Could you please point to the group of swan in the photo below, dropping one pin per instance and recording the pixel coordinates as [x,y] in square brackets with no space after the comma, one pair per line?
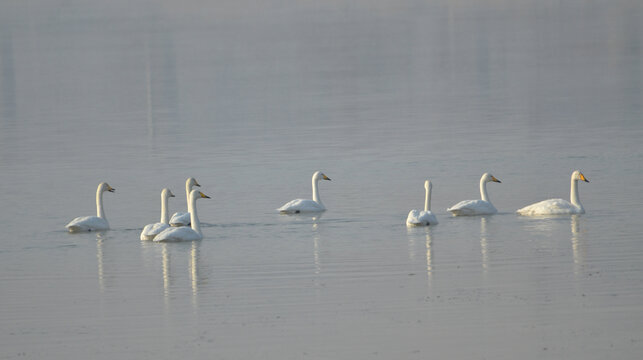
[485,207]
[161,231]
[176,229]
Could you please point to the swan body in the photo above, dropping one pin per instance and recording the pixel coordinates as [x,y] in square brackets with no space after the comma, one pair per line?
[183,218]
[558,206]
[425,217]
[151,230]
[306,205]
[92,223]
[476,207]
[174,234]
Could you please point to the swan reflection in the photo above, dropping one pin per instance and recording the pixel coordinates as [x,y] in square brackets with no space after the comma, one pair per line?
[413,234]
[484,250]
[579,250]
[99,261]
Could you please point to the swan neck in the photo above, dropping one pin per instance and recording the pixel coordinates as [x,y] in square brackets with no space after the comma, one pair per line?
[194,217]
[164,215]
[188,188]
[316,197]
[483,190]
[100,212]
[573,194]
[427,199]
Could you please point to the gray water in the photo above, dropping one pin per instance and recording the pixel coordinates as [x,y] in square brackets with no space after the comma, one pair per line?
[251,97]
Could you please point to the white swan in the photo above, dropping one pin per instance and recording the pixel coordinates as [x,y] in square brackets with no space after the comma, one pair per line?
[426,217]
[306,205]
[559,206]
[183,218]
[476,207]
[185,233]
[151,230]
[93,223]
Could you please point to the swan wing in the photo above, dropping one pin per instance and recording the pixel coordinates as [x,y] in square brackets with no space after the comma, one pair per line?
[151,230]
[421,218]
[550,207]
[472,207]
[174,234]
[87,223]
[180,219]
[301,206]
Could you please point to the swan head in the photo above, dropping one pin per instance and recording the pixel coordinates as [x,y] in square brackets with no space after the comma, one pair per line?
[167,193]
[191,182]
[318,175]
[196,194]
[428,185]
[486,177]
[105,187]
[577,175]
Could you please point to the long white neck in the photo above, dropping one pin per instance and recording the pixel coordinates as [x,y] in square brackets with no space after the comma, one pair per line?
[316,197]
[188,188]
[164,215]
[573,194]
[427,199]
[483,189]
[100,212]
[194,217]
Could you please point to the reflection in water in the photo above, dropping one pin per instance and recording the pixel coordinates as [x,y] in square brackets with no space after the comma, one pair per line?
[578,246]
[99,261]
[165,263]
[412,233]
[7,75]
[483,243]
[194,275]
[429,256]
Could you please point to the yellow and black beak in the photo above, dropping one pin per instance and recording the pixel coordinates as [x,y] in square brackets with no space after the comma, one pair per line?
[325,177]
[110,189]
[493,178]
[196,183]
[204,195]
[582,177]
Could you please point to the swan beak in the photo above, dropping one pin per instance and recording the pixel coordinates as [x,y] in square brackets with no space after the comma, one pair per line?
[172,195]
[493,178]
[582,177]
[110,189]
[325,177]
[196,184]
[204,195]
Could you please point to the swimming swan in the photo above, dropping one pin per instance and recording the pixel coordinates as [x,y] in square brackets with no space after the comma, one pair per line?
[305,205]
[559,206]
[183,218]
[476,207]
[93,223]
[185,233]
[151,230]
[426,217]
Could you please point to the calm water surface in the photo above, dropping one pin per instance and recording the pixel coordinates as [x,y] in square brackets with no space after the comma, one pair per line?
[250,98]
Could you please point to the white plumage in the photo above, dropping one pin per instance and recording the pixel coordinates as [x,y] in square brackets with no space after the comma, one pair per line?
[151,230]
[306,205]
[558,206]
[93,223]
[476,207]
[425,217]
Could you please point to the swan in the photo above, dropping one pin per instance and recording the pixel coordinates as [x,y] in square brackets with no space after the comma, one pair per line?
[183,218]
[151,230]
[426,217]
[477,207]
[306,205]
[93,223]
[185,233]
[559,206]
